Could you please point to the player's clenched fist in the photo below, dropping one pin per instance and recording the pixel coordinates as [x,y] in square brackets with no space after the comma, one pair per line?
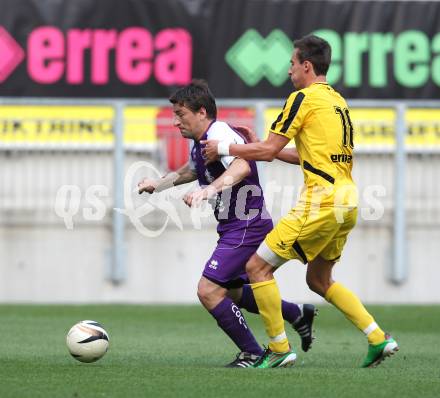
[147,185]
[196,198]
[210,151]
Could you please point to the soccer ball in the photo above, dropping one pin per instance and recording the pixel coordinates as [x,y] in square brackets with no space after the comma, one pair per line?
[87,341]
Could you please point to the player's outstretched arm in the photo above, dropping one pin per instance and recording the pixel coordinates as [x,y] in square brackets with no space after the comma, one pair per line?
[236,172]
[264,150]
[179,177]
[288,155]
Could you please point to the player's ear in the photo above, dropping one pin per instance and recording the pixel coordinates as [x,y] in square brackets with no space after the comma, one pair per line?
[202,113]
[308,67]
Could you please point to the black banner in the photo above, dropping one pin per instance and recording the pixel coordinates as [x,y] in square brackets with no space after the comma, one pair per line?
[146,48]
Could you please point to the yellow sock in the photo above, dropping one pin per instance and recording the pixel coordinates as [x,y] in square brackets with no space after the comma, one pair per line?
[268,299]
[350,305]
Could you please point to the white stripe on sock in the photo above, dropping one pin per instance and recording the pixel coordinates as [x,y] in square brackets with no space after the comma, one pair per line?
[370,328]
[278,338]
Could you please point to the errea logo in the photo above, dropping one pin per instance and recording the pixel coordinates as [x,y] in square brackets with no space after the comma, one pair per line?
[76,56]
[254,57]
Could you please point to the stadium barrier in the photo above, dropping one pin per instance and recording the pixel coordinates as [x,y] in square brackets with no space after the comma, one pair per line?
[81,150]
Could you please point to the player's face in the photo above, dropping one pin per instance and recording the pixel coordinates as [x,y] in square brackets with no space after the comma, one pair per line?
[297,71]
[188,122]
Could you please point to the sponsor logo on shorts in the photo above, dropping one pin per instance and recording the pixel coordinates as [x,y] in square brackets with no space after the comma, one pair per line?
[213,264]
[281,245]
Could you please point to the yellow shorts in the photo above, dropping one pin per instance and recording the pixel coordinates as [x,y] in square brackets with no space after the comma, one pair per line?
[306,233]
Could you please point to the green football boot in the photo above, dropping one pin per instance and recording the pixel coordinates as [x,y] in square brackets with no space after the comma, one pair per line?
[378,352]
[271,359]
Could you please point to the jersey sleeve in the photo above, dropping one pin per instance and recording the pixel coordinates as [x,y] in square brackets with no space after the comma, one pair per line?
[291,118]
[222,132]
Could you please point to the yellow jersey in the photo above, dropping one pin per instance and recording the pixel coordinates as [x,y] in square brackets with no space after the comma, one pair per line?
[318,119]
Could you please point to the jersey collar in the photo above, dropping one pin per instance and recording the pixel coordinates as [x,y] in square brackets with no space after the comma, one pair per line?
[204,135]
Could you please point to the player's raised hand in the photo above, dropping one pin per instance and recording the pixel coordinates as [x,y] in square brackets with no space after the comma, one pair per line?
[147,185]
[248,133]
[210,152]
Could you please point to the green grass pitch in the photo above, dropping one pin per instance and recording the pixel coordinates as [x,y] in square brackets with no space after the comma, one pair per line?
[178,351]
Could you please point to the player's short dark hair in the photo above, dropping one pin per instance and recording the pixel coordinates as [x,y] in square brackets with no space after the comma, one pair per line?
[194,96]
[315,50]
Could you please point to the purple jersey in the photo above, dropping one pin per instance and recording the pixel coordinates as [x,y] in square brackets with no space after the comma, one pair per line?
[240,210]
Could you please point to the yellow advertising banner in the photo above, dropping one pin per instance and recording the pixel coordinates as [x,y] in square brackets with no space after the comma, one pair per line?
[78,126]
[75,125]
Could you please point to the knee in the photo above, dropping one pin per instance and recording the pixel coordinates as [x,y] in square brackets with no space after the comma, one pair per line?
[317,284]
[258,270]
[209,293]
[252,267]
[203,293]
[254,270]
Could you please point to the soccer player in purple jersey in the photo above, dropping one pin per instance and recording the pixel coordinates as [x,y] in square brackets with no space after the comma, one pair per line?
[232,186]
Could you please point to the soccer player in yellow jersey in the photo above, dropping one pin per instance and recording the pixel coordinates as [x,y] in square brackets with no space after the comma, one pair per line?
[315,231]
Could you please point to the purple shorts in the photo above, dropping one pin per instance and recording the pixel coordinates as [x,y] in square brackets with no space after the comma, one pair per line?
[227,265]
